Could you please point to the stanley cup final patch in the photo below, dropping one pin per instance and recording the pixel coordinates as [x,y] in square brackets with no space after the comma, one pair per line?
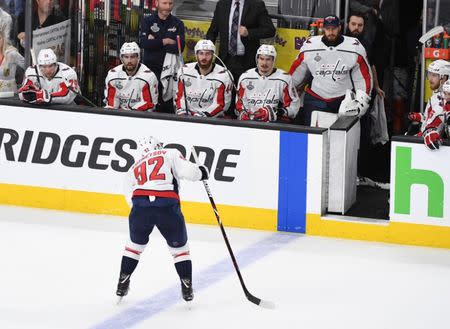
[154,28]
[250,86]
[317,58]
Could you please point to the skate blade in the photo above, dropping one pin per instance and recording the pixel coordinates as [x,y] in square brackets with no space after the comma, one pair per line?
[119,300]
[188,304]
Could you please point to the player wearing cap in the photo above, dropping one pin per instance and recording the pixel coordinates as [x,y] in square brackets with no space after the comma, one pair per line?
[433,119]
[204,87]
[49,81]
[339,68]
[131,85]
[266,93]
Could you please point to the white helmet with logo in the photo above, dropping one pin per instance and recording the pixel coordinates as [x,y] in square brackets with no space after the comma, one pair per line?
[267,50]
[148,144]
[46,57]
[440,67]
[130,48]
[204,45]
[446,87]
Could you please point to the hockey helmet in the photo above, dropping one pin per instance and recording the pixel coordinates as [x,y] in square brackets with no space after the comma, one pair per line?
[440,67]
[46,57]
[446,87]
[148,144]
[130,48]
[204,45]
[267,50]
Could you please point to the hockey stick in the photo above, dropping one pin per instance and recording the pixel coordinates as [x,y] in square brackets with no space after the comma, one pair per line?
[249,113]
[431,33]
[83,97]
[250,297]
[180,55]
[33,61]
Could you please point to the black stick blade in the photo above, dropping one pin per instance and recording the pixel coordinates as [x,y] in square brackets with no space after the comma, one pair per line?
[260,302]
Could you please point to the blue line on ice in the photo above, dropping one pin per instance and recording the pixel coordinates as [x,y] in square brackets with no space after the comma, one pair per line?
[151,306]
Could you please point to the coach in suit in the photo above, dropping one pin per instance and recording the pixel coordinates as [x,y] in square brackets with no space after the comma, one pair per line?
[240,25]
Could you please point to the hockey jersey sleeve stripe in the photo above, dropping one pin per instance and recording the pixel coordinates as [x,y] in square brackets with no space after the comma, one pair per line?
[162,194]
[297,63]
[147,97]
[111,95]
[239,103]
[220,101]
[365,73]
[286,97]
[179,94]
[62,92]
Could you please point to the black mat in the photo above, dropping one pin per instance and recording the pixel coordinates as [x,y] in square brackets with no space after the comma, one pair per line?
[371,202]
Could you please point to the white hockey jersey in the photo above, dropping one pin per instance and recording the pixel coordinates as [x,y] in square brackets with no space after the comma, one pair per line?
[207,95]
[435,114]
[333,69]
[276,90]
[138,92]
[158,173]
[8,67]
[58,86]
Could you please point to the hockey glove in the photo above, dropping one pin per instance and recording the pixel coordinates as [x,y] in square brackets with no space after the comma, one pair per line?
[265,114]
[36,96]
[415,117]
[432,139]
[205,172]
[181,112]
[244,115]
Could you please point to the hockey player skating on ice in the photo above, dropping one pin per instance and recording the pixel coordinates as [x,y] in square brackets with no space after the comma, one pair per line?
[206,84]
[49,81]
[433,119]
[131,85]
[151,188]
[266,93]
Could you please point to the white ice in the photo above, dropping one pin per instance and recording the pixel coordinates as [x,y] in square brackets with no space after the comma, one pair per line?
[59,270]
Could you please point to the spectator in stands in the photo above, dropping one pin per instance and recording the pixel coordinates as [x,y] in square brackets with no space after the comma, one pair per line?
[158,38]
[131,85]
[207,85]
[266,93]
[434,117]
[337,65]
[240,25]
[43,15]
[49,81]
[10,59]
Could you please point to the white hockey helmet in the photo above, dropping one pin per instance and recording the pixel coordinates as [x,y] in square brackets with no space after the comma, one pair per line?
[204,45]
[440,66]
[446,87]
[267,50]
[148,144]
[46,57]
[130,48]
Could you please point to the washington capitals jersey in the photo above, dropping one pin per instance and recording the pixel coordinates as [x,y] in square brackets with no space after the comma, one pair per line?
[158,173]
[138,92]
[58,86]
[334,69]
[276,90]
[208,95]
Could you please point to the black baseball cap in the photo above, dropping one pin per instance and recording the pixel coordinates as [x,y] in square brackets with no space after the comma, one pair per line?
[331,21]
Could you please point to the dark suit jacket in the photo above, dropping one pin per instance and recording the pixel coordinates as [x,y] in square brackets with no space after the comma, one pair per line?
[254,17]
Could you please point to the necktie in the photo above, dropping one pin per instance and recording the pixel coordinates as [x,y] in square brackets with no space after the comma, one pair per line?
[234,30]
